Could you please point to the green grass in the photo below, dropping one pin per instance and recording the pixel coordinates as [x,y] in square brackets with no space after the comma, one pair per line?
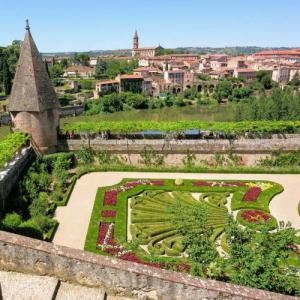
[206,113]
[4,131]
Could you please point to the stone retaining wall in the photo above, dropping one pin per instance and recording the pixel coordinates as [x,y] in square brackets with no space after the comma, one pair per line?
[202,146]
[10,175]
[249,150]
[119,277]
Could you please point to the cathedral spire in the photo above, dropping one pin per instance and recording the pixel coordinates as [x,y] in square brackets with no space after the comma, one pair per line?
[135,40]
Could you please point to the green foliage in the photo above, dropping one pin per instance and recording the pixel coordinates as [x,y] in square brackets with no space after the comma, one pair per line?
[11,221]
[281,159]
[81,59]
[87,84]
[258,264]
[223,90]
[56,71]
[253,127]
[85,155]
[101,69]
[10,145]
[265,78]
[39,205]
[7,78]
[278,105]
[189,160]
[31,229]
[149,158]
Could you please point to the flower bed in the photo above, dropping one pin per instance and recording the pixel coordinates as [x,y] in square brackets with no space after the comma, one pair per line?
[256,219]
[255,216]
[111,206]
[252,194]
[108,213]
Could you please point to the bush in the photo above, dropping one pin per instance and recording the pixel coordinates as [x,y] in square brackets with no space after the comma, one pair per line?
[12,221]
[51,159]
[39,205]
[31,229]
[85,155]
[178,181]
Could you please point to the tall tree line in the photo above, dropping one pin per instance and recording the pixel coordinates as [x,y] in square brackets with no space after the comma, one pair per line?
[279,105]
[8,60]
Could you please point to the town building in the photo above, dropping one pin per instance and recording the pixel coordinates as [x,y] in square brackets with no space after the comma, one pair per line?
[33,104]
[143,52]
[107,87]
[247,74]
[79,71]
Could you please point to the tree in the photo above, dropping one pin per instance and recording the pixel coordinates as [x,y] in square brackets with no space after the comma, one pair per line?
[56,71]
[101,69]
[264,77]
[7,78]
[223,90]
[256,259]
[81,59]
[192,224]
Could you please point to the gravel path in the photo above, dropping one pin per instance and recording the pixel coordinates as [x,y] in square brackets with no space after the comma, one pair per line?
[74,218]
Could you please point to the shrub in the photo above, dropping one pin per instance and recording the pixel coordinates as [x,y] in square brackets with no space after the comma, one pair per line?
[178,181]
[31,229]
[39,205]
[85,155]
[12,221]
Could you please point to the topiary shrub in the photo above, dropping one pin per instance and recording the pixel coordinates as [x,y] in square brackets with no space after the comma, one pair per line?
[11,221]
[178,181]
[31,229]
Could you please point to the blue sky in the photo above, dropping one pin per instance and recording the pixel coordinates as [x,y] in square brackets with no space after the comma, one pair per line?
[73,25]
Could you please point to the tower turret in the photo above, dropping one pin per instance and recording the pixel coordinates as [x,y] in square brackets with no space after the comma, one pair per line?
[135,40]
[33,104]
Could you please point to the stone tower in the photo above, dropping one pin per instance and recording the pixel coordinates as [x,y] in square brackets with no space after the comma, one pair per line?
[33,104]
[135,40]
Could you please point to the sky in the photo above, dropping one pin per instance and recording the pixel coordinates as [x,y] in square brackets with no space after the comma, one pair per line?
[83,25]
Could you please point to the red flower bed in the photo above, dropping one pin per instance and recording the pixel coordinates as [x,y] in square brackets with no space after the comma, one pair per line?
[254,216]
[132,184]
[110,197]
[108,213]
[252,194]
[202,183]
[157,182]
[102,233]
[234,183]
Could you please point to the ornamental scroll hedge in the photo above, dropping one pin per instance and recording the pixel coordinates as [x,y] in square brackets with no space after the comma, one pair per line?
[253,127]
[10,145]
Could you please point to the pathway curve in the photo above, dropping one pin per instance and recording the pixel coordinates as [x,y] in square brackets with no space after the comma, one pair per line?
[74,218]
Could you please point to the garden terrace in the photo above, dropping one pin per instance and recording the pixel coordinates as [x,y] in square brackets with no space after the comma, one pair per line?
[221,129]
[10,145]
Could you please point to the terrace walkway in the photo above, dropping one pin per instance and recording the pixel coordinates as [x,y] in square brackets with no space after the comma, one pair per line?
[74,218]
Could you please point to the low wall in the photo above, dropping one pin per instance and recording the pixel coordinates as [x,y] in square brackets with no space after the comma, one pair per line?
[249,150]
[202,146]
[10,175]
[119,277]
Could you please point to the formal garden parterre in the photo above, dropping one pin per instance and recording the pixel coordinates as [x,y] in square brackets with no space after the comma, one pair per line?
[149,207]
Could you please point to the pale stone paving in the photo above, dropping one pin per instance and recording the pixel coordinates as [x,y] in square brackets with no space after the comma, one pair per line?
[75,217]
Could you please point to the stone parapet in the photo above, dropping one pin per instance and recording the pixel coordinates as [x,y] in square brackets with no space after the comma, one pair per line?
[119,277]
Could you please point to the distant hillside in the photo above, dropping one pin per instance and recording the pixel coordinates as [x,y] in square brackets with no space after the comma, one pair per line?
[201,50]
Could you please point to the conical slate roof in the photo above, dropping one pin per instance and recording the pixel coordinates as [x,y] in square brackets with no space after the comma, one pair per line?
[32,89]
